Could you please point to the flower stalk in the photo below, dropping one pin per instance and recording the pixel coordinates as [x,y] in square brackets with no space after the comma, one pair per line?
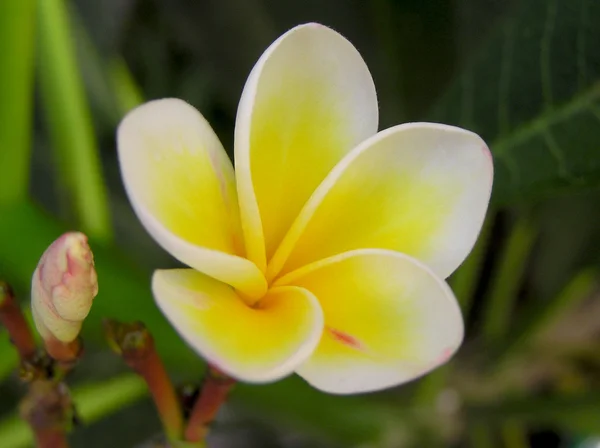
[64,354]
[215,390]
[134,343]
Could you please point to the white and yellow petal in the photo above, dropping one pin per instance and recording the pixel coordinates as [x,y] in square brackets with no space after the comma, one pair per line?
[308,101]
[182,187]
[388,319]
[254,344]
[421,189]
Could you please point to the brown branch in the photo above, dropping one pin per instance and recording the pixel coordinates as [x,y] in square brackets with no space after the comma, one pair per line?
[51,438]
[135,345]
[48,409]
[34,363]
[65,355]
[214,392]
[13,320]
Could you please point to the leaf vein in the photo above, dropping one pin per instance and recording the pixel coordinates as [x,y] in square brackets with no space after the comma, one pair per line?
[556,152]
[548,119]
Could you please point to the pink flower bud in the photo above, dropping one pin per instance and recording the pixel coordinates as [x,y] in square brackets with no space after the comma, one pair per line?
[63,287]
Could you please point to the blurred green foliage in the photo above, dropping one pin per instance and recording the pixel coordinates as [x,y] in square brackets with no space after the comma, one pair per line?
[525,74]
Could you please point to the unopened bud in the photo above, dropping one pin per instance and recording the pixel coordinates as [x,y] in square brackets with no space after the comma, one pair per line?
[63,287]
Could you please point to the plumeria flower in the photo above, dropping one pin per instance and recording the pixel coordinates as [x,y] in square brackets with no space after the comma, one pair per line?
[325,253]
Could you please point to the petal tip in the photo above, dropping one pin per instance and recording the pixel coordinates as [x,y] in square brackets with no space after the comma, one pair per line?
[149,107]
[312,26]
[490,160]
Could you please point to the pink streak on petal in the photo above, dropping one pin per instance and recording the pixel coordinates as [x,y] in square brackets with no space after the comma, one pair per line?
[345,338]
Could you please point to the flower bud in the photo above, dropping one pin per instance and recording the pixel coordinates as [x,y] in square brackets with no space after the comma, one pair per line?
[63,287]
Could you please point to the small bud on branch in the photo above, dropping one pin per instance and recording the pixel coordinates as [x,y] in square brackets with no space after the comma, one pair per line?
[63,287]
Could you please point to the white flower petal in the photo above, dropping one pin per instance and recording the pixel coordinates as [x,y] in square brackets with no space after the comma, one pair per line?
[181,185]
[388,320]
[421,189]
[308,101]
[255,344]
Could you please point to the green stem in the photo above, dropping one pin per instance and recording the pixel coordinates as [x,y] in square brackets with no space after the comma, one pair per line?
[507,279]
[69,120]
[93,402]
[17,36]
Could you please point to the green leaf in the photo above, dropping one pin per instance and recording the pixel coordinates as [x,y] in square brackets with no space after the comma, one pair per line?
[17,32]
[69,120]
[533,93]
[110,86]
[127,92]
[507,279]
[125,294]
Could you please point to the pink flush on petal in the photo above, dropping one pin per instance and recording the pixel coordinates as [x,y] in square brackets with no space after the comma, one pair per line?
[445,355]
